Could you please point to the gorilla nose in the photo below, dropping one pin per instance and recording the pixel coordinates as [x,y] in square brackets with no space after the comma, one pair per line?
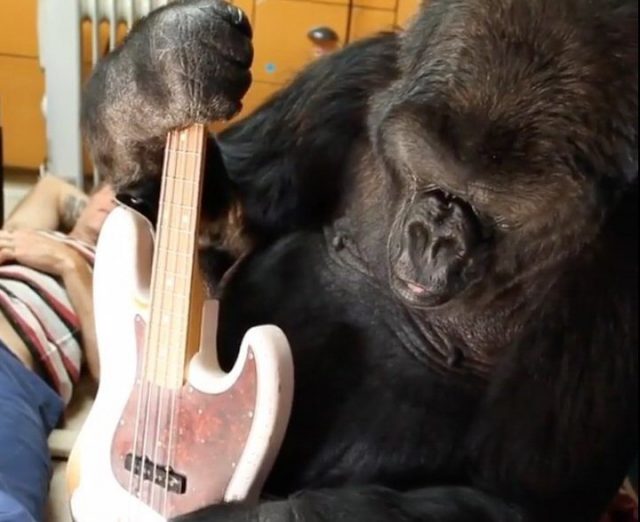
[438,229]
[426,243]
[438,203]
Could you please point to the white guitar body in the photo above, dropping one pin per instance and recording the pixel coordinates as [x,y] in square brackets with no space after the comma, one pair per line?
[122,276]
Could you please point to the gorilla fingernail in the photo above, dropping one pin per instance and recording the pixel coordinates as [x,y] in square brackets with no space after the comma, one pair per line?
[237,15]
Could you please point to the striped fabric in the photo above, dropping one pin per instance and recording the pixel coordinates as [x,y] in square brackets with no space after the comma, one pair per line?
[39,309]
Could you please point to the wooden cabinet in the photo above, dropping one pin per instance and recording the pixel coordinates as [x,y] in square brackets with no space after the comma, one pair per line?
[281,45]
[406,9]
[18,29]
[245,5]
[281,42]
[389,5]
[365,22]
[21,88]
[21,84]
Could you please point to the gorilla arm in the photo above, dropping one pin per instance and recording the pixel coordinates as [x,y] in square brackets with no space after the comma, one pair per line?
[161,79]
[288,160]
[284,163]
[370,504]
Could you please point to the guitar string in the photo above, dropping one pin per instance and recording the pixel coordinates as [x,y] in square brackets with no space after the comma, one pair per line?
[143,384]
[181,333]
[163,343]
[153,338]
[191,208]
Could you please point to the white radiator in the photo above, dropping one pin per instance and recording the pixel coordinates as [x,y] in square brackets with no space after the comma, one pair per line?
[61,55]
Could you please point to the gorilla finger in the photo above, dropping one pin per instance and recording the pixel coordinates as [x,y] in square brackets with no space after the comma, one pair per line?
[222,94]
[235,86]
[231,14]
[229,42]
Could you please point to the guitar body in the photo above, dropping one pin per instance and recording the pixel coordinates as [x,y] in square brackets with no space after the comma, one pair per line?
[148,453]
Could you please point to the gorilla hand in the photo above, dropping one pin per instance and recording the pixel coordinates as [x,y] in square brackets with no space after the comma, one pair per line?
[193,60]
[185,63]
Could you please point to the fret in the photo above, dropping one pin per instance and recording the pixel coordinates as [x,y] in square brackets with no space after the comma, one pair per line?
[187,152]
[181,179]
[176,276]
[195,152]
[175,252]
[179,232]
[185,206]
[177,213]
[186,202]
[175,264]
[174,308]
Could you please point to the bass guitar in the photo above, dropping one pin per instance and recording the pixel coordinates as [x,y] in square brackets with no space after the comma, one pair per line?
[170,431]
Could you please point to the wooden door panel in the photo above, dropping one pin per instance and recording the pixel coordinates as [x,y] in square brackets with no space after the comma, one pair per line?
[282,47]
[18,35]
[366,22]
[406,9]
[21,90]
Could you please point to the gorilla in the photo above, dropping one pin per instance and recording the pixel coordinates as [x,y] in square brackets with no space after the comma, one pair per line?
[443,221]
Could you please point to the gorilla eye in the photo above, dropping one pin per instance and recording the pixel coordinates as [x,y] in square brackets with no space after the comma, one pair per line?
[499,145]
[490,157]
[501,224]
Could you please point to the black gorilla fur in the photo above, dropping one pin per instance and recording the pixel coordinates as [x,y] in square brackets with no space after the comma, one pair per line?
[444,223]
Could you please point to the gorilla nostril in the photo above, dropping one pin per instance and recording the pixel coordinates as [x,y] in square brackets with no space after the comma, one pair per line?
[436,246]
[440,245]
[418,236]
[443,201]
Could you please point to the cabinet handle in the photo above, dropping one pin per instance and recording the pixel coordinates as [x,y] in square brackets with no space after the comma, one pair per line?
[323,36]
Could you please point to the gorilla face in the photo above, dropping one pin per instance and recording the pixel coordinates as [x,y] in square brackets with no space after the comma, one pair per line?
[442,247]
[503,142]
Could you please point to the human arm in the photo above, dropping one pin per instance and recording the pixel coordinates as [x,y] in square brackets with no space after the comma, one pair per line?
[35,250]
[77,278]
[52,204]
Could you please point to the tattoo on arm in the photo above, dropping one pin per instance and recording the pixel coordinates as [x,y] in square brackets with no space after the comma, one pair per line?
[71,209]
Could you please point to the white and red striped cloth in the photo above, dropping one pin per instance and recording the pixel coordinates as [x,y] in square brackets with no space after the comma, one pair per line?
[39,309]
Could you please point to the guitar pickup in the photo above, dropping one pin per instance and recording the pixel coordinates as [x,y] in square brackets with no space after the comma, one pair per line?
[162,476]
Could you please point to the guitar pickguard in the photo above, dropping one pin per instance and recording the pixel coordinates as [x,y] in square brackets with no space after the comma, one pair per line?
[195,435]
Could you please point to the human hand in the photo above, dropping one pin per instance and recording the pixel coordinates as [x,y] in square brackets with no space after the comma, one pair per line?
[33,249]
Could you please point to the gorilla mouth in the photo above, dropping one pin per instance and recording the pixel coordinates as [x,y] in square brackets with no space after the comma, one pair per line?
[442,249]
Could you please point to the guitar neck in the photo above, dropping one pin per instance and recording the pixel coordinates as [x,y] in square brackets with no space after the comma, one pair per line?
[175,277]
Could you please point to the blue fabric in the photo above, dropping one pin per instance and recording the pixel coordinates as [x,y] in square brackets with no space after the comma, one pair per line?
[29,410]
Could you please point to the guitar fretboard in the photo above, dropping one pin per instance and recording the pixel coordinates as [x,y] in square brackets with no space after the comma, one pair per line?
[174,257]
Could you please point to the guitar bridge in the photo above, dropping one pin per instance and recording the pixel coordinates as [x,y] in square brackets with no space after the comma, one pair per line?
[162,476]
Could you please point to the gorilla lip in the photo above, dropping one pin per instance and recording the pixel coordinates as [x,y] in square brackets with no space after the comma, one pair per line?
[415,294]
[415,287]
